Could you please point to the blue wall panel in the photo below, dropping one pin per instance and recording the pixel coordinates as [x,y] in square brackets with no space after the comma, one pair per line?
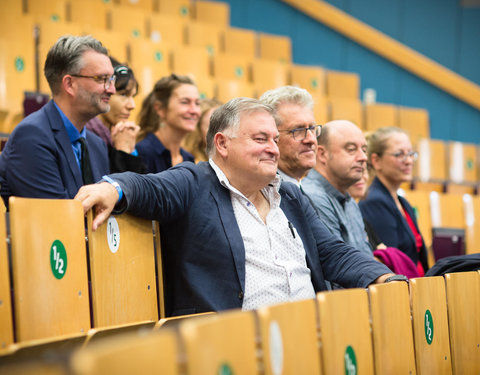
[439,29]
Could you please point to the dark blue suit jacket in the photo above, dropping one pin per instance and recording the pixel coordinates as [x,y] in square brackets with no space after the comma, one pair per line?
[202,247]
[155,156]
[38,160]
[381,212]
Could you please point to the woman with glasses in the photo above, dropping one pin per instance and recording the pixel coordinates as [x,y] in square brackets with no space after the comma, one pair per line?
[168,114]
[114,126]
[391,157]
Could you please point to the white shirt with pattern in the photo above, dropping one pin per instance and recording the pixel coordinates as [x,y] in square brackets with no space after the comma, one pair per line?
[275,266]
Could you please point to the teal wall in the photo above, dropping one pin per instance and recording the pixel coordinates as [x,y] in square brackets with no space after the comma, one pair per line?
[440,29]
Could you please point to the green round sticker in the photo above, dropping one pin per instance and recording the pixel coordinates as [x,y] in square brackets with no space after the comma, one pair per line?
[19,64]
[184,10]
[158,56]
[54,17]
[136,33]
[58,259]
[210,50]
[314,83]
[238,71]
[350,361]
[225,369]
[428,327]
[469,164]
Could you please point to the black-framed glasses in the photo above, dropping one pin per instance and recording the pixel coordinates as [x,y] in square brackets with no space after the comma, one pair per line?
[107,80]
[299,134]
[402,156]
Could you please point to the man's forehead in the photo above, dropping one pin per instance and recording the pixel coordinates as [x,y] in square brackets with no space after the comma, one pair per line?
[346,134]
[292,112]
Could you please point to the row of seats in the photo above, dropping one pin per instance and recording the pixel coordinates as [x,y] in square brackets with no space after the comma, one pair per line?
[60,288]
[428,327]
[444,210]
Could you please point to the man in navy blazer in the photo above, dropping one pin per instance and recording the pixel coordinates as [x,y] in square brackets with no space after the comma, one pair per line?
[233,235]
[42,158]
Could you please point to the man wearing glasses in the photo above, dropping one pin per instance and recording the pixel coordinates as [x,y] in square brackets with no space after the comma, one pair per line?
[298,131]
[50,154]
[341,161]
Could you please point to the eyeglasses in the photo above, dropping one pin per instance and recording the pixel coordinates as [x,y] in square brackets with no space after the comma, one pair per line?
[402,156]
[107,80]
[299,134]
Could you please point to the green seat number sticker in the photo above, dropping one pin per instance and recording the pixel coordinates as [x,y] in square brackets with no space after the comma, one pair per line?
[225,369]
[350,361]
[428,327]
[58,259]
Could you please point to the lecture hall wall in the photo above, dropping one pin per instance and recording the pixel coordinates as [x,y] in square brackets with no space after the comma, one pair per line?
[442,30]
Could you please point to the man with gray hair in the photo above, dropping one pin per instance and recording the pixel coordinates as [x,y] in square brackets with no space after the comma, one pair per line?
[298,131]
[341,160]
[50,154]
[234,236]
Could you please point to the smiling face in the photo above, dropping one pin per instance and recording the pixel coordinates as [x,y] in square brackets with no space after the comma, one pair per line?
[392,170]
[251,155]
[343,158]
[297,157]
[183,109]
[122,103]
[91,97]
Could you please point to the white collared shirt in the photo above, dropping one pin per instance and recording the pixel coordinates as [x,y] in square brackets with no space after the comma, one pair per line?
[275,266]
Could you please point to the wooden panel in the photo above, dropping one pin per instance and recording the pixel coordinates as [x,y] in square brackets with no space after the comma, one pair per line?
[471,208]
[49,268]
[130,354]
[210,347]
[462,162]
[415,121]
[447,210]
[150,61]
[239,41]
[148,5]
[214,12]
[6,324]
[92,14]
[430,325]
[228,89]
[380,115]
[179,8]
[275,47]
[431,163]
[392,328]
[320,109]
[164,28]
[131,21]
[343,84]
[204,35]
[290,330]
[192,61]
[311,78]
[122,269]
[346,109]
[345,330]
[463,307]
[114,41]
[268,75]
[56,10]
[160,281]
[231,67]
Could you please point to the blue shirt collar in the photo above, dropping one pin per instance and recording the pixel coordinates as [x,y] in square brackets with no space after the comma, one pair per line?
[72,131]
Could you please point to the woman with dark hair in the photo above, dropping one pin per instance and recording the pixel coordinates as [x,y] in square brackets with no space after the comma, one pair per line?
[391,157]
[168,114]
[114,126]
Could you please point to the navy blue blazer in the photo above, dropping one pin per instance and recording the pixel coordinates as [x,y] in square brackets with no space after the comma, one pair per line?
[38,160]
[155,156]
[202,247]
[381,212]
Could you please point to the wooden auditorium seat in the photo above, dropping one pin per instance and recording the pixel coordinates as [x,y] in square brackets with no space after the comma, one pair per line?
[447,210]
[471,206]
[268,74]
[114,41]
[379,115]
[179,8]
[346,109]
[6,323]
[166,28]
[154,353]
[320,109]
[239,42]
[274,47]
[289,338]
[343,84]
[128,20]
[392,328]
[463,305]
[229,89]
[221,343]
[415,121]
[462,162]
[49,268]
[56,10]
[430,325]
[92,14]
[346,341]
[213,12]
[122,269]
[432,160]
[193,61]
[204,35]
[311,78]
[231,67]
[147,5]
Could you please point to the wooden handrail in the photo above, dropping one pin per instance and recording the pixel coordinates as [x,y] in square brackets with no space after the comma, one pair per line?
[392,50]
